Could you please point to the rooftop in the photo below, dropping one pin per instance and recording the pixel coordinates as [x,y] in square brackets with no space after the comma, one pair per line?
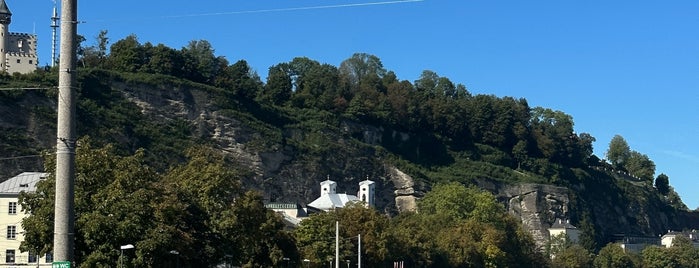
[25,182]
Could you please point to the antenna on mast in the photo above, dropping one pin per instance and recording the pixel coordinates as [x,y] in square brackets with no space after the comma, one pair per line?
[54,26]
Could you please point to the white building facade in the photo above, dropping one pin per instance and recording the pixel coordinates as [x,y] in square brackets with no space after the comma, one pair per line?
[11,216]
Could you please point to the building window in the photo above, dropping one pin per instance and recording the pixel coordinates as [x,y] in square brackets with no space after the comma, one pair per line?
[10,256]
[11,232]
[12,208]
[32,257]
[18,60]
[31,62]
[49,257]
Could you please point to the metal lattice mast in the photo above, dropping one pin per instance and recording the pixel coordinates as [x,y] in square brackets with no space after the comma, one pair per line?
[54,28]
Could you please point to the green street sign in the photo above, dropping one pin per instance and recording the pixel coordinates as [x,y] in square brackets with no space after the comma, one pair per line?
[60,264]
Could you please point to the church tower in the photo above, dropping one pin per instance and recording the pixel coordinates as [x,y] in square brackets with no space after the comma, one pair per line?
[366,192]
[328,187]
[5,19]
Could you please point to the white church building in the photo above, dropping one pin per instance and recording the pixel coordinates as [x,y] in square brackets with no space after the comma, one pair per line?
[329,198]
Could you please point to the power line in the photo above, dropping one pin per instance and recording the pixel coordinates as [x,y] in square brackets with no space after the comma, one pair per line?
[26,88]
[269,10]
[19,157]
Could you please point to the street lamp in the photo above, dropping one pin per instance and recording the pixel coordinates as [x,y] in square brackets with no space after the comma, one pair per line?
[286,259]
[121,256]
[348,263]
[307,261]
[177,257]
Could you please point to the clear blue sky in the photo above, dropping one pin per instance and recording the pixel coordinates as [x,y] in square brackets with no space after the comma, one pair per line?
[618,67]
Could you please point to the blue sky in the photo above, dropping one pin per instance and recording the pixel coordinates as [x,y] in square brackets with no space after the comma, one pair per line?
[618,67]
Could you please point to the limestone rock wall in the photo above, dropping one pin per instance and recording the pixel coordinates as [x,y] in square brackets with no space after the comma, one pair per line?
[537,205]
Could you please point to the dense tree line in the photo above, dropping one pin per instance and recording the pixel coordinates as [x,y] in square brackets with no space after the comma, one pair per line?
[362,89]
[198,209]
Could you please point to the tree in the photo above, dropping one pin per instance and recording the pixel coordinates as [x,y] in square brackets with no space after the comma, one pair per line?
[640,165]
[573,256]
[162,60]
[359,66]
[111,207]
[662,184]
[457,202]
[239,80]
[618,152]
[126,55]
[486,236]
[256,233]
[613,256]
[201,65]
[279,86]
[195,208]
[94,56]
[659,257]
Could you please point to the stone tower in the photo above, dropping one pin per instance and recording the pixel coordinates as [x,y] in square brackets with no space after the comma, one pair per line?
[5,19]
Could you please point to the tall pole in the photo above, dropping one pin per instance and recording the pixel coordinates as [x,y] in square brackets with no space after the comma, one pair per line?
[63,231]
[337,244]
[359,251]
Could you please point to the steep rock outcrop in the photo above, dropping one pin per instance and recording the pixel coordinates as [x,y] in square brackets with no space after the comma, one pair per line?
[537,205]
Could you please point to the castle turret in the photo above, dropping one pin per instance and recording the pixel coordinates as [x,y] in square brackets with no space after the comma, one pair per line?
[5,19]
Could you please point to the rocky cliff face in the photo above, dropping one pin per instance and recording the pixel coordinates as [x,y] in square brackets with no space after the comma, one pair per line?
[285,173]
[537,205]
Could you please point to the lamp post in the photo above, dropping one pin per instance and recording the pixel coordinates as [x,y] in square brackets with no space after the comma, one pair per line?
[177,257]
[308,262]
[121,256]
[286,259]
[348,263]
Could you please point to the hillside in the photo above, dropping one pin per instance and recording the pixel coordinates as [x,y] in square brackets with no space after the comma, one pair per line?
[407,139]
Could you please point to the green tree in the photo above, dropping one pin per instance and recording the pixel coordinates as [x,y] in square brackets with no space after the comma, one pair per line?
[279,86]
[94,56]
[613,256]
[315,237]
[662,184]
[126,55]
[684,251]
[359,66]
[640,165]
[256,233]
[457,202]
[162,60]
[239,80]
[573,256]
[659,257]
[618,152]
[110,205]
[201,65]
[195,208]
